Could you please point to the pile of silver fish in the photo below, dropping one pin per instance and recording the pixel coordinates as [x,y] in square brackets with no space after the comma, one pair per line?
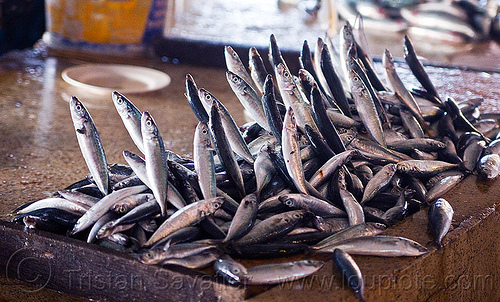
[457,21]
[332,157]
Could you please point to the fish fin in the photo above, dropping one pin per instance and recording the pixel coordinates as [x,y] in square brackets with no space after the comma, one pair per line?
[167,245]
[81,130]
[435,243]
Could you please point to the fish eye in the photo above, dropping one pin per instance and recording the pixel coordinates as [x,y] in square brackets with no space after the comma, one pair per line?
[204,131]
[296,215]
[216,205]
[78,107]
[286,220]
[208,96]
[289,202]
[119,101]
[149,123]
[236,270]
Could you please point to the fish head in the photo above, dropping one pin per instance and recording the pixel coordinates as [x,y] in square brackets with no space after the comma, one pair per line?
[121,207]
[189,78]
[149,225]
[489,166]
[347,137]
[132,157]
[122,104]
[387,60]
[234,79]
[284,74]
[206,96]
[346,34]
[287,200]
[439,144]
[30,221]
[407,45]
[232,271]
[305,76]
[106,230]
[202,128]
[250,200]
[216,203]
[352,53]
[420,249]
[377,227]
[403,167]
[253,52]
[148,125]
[356,81]
[269,84]
[150,256]
[298,215]
[78,110]
[230,53]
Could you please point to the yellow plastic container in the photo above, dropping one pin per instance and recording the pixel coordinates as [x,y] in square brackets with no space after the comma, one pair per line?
[105,26]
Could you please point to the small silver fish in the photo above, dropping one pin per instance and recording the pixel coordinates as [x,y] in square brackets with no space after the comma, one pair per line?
[54,202]
[384,246]
[204,165]
[282,272]
[90,144]
[359,230]
[379,182]
[248,98]
[489,166]
[315,205]
[291,151]
[440,217]
[421,168]
[156,163]
[232,131]
[131,117]
[264,169]
[350,272]
[103,206]
[244,218]
[189,215]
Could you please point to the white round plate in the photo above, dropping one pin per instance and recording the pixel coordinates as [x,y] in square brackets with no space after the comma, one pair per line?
[106,78]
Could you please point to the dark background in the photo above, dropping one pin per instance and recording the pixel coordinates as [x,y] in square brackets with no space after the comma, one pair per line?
[22,23]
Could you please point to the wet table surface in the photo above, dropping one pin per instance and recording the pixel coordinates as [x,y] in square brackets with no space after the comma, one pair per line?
[39,153]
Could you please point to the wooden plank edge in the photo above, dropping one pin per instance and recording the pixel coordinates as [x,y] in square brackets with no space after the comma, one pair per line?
[64,264]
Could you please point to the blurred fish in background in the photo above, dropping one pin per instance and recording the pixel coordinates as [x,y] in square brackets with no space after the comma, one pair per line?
[454,22]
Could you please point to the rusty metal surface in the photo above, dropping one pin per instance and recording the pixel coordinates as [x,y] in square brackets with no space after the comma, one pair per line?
[39,154]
